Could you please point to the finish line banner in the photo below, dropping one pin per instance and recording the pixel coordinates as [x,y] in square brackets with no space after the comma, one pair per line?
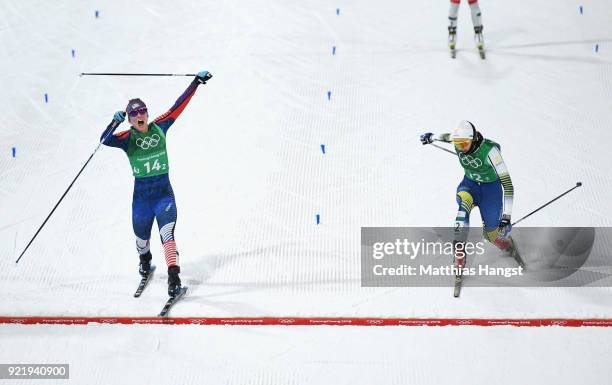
[423,257]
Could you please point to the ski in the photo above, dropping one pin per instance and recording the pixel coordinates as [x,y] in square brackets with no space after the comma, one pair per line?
[480,43]
[144,282]
[517,257]
[481,51]
[514,253]
[458,283]
[452,37]
[171,301]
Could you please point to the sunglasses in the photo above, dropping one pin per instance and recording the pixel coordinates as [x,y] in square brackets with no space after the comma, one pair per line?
[135,113]
[462,144]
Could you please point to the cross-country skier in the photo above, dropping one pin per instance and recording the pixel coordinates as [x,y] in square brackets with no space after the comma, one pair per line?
[476,20]
[145,145]
[486,184]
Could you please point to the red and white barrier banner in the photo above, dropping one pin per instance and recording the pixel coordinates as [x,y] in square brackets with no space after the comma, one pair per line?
[315,321]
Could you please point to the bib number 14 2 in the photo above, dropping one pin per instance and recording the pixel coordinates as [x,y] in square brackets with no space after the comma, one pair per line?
[155,166]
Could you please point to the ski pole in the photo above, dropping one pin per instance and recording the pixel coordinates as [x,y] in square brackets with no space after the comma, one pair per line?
[443,149]
[128,74]
[115,124]
[578,184]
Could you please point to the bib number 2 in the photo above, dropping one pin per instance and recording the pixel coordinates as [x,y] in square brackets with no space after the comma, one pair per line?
[476,177]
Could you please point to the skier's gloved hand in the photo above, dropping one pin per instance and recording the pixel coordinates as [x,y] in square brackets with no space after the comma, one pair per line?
[427,138]
[119,116]
[203,76]
[505,225]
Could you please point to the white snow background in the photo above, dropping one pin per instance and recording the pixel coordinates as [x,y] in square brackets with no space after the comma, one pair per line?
[249,177]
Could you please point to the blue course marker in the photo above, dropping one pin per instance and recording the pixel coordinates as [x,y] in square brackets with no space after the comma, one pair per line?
[328,95]
[323,148]
[73,52]
[334,50]
[14,152]
[581,9]
[97,13]
[318,219]
[596,47]
[46,98]
[337,11]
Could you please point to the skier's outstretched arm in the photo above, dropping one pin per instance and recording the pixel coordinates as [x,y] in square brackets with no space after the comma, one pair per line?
[429,138]
[499,165]
[121,139]
[169,117]
[445,137]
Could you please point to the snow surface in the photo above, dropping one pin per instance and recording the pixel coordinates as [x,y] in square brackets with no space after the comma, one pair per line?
[249,177]
[152,354]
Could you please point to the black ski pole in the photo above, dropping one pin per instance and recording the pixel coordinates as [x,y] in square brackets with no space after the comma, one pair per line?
[128,74]
[443,149]
[578,184]
[115,125]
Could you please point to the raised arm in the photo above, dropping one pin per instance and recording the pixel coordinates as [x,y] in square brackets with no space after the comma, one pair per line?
[429,138]
[445,137]
[169,117]
[121,139]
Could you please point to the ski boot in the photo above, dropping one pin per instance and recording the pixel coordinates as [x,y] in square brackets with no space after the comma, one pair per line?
[452,39]
[174,282]
[479,41]
[508,245]
[145,264]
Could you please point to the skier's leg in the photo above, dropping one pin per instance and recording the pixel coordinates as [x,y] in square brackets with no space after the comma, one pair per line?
[453,11]
[467,197]
[477,21]
[142,221]
[491,209]
[452,23]
[462,226]
[476,14]
[465,200]
[165,213]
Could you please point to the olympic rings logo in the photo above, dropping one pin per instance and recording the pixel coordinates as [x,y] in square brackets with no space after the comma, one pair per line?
[148,142]
[469,160]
